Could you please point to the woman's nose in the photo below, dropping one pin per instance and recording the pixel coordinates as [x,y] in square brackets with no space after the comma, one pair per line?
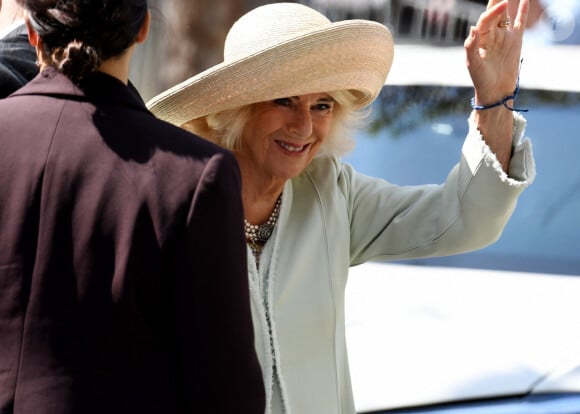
[300,124]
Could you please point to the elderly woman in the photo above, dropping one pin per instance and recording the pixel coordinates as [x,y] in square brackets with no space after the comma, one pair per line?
[283,101]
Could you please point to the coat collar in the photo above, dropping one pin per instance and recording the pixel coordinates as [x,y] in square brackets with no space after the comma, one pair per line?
[98,88]
[17,28]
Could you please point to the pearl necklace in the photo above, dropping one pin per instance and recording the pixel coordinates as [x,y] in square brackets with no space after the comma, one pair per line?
[258,235]
[262,232]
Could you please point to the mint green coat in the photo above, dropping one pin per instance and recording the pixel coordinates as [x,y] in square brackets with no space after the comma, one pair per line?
[332,218]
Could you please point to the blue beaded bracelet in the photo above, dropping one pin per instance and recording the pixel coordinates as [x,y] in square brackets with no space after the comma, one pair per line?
[503,101]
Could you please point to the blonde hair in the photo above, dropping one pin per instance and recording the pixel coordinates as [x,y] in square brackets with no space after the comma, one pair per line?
[225,128]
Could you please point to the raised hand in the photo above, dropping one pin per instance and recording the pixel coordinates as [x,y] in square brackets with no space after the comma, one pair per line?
[493,49]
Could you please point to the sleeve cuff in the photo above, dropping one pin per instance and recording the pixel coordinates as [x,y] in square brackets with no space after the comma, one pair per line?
[522,170]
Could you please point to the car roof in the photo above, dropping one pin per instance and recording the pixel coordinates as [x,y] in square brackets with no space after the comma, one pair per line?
[546,67]
[421,335]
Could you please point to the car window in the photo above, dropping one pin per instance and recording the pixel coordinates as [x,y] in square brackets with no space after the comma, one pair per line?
[415,137]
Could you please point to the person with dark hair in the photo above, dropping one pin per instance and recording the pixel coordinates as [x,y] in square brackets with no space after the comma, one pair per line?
[17,56]
[123,285]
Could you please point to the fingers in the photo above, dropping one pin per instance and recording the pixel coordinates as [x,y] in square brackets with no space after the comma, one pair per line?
[513,8]
[471,46]
[498,13]
[494,15]
[522,15]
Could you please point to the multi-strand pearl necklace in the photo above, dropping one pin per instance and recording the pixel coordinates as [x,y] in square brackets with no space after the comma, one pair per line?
[258,235]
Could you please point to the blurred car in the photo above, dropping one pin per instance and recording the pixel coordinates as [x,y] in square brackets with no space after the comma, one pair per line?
[493,331]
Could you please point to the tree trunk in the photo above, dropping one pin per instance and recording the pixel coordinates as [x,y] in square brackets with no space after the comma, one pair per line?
[186,37]
[194,39]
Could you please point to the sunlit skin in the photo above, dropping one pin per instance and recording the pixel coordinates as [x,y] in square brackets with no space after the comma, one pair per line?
[279,141]
[494,68]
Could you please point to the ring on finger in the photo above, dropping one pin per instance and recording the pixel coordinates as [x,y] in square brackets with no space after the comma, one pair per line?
[504,23]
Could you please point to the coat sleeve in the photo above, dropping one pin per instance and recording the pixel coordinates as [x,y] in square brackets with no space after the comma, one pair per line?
[217,356]
[467,212]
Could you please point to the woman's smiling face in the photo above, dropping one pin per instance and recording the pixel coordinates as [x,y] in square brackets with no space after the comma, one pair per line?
[282,136]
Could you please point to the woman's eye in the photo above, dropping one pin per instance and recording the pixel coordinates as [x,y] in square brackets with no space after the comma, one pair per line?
[283,101]
[323,107]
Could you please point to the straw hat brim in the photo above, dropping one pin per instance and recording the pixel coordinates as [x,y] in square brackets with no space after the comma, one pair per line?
[353,55]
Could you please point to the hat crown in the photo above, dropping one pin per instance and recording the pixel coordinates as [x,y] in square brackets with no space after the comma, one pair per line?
[268,26]
[284,49]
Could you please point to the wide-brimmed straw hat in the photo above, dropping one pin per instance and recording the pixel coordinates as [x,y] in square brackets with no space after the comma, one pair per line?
[282,50]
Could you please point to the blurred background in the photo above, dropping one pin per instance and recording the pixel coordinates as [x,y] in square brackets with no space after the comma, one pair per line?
[187,35]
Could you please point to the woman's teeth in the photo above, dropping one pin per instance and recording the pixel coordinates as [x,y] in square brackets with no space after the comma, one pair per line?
[291,148]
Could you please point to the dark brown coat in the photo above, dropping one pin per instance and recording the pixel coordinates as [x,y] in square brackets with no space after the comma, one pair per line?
[123,284]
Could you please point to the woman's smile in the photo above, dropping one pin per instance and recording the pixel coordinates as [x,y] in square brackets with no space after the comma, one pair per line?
[282,136]
[292,148]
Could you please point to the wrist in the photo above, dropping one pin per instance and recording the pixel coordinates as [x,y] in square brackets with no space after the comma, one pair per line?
[481,103]
[496,127]
[507,102]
